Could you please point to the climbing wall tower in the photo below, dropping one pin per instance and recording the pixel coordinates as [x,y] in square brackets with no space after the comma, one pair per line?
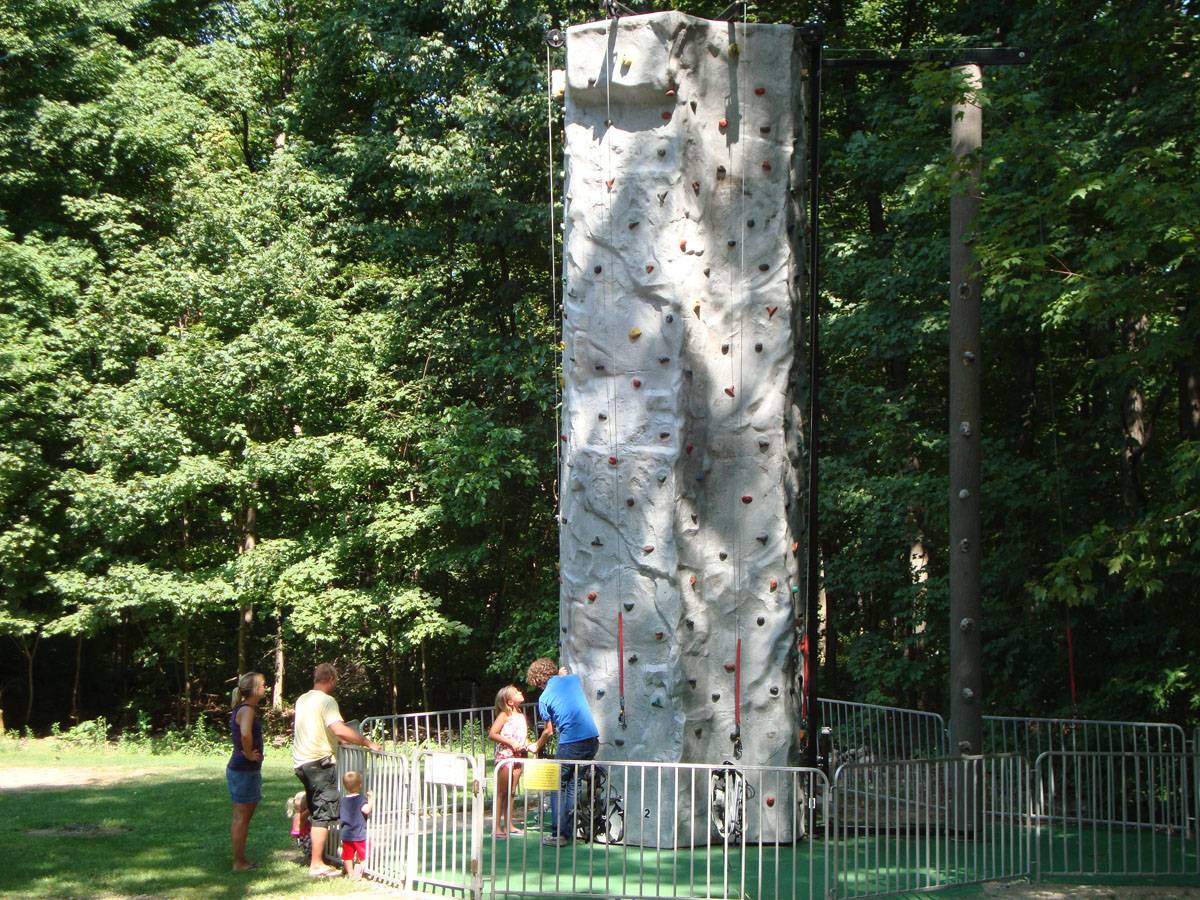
[681,513]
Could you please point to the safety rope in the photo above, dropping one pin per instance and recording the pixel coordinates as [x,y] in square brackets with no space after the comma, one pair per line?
[555,311]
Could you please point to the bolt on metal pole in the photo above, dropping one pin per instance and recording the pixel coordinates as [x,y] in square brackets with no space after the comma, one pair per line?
[966,605]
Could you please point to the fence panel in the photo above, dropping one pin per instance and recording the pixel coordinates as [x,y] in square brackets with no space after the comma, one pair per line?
[453,730]
[442,848]
[388,777]
[1113,814]
[865,732]
[1032,737]
[650,830]
[912,825]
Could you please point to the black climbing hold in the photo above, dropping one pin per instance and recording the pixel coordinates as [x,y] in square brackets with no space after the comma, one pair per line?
[656,703]
[599,367]
[662,197]
[648,549]
[721,172]
[762,539]
[662,151]
[603,417]
[706,271]
[695,518]
[620,742]
[724,349]
[633,225]
[698,732]
[691,682]
[628,607]
[690,624]
[598,269]
[774,692]
[596,542]
[663,435]
[764,129]
[687,373]
[693,105]
[724,556]
[762,267]
[629,502]
[731,242]
[716,697]
[664,359]
[758,348]
[700,477]
[600,692]
[662,476]
[670,318]
[761,620]
[763,444]
[633,658]
[749,223]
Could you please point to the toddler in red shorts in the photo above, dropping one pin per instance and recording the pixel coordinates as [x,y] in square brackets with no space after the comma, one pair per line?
[353,813]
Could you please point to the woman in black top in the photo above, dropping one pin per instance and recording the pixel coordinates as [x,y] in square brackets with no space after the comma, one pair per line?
[243,774]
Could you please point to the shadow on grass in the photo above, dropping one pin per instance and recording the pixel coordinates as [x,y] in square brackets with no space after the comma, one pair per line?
[176,845]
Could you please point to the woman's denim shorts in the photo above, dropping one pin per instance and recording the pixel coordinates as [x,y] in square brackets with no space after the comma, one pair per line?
[244,787]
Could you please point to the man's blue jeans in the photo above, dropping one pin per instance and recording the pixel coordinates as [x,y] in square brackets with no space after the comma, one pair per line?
[563,803]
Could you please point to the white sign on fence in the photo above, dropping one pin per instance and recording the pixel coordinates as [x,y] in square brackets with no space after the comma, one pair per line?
[446,768]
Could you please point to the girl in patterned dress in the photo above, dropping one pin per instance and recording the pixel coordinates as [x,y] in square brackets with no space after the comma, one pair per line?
[510,732]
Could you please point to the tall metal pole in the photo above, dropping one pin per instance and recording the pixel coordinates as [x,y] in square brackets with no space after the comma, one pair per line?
[966,605]
[813,34]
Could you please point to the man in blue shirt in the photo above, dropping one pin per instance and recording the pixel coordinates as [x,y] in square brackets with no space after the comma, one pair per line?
[564,708]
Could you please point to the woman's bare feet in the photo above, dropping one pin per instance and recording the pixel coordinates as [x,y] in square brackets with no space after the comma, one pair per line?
[243,865]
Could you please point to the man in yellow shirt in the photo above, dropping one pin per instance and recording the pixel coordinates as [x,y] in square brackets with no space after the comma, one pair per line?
[318,728]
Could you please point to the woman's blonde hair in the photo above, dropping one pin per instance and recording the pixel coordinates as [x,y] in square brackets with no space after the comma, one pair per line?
[502,697]
[245,687]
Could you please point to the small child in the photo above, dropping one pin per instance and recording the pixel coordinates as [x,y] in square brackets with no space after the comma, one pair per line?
[510,731]
[354,810]
[297,811]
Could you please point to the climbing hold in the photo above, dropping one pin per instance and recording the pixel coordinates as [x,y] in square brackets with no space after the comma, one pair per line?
[637,382]
[731,243]
[599,367]
[716,697]
[599,692]
[696,187]
[666,116]
[596,542]
[771,310]
[693,105]
[592,596]
[662,151]
[648,549]
[670,92]
[761,620]
[795,547]
[658,635]
[695,519]
[597,269]
[664,359]
[795,588]
[633,658]
[649,268]
[766,166]
[662,197]
[698,731]
[734,49]
[609,183]
[764,129]
[770,801]
[608,123]
[729,390]
[720,173]
[670,318]
[724,349]
[633,225]
[683,245]
[723,124]
[759,91]
[629,501]
[662,476]
[700,477]
[763,443]
[758,348]
[635,333]
[628,607]
[749,223]
[620,742]
[603,417]
[562,437]
[706,271]
[723,555]
[612,460]
[774,586]
[689,448]
[696,309]
[692,582]
[691,682]
[691,625]
[626,62]
[663,435]
[746,498]
[762,539]
[656,703]
[762,267]
[774,691]
[729,667]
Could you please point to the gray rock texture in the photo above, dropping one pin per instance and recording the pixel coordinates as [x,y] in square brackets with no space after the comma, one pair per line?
[681,507]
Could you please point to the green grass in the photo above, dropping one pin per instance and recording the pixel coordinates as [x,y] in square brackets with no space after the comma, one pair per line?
[177,813]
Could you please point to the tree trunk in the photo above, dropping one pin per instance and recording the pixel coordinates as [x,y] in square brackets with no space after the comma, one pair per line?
[187,680]
[30,651]
[829,617]
[1189,400]
[424,679]
[75,683]
[1134,424]
[246,613]
[277,692]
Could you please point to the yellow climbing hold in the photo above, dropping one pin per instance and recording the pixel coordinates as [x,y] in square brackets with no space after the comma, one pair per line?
[635,333]
[626,62]
[734,49]
[696,309]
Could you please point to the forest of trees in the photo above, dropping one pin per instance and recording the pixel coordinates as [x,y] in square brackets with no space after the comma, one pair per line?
[277,352]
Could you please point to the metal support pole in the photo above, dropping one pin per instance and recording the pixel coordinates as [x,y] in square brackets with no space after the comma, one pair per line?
[966,606]
[813,35]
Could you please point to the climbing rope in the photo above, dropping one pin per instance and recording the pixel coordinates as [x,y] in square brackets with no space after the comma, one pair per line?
[555,311]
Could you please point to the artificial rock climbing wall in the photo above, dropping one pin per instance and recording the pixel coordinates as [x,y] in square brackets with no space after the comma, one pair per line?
[680,509]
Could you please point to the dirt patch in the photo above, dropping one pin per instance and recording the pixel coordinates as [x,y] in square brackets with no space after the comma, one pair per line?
[34,778]
[78,831]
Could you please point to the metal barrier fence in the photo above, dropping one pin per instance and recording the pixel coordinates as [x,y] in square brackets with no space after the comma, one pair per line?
[1031,737]
[866,732]
[457,730]
[657,830]
[1114,814]
[917,825]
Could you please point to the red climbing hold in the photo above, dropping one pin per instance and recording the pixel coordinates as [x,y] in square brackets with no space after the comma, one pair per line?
[770,801]
[637,382]
[612,460]
[729,667]
[683,246]
[689,448]
[658,635]
[746,498]
[649,269]
[592,596]
[723,124]
[774,584]
[795,547]
[692,581]
[771,310]
[562,437]
[670,92]
[648,549]
[766,166]
[729,391]
[696,187]
[759,91]
[609,183]
[666,116]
